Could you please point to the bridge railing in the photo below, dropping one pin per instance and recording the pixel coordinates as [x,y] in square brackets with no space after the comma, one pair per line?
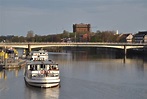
[70,44]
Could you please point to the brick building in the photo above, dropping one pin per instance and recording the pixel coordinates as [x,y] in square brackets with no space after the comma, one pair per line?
[81,28]
[82,32]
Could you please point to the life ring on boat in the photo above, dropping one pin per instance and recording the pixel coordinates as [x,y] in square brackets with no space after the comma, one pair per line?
[42,71]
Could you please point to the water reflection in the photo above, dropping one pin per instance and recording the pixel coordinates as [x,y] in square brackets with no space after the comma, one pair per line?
[41,93]
[6,73]
[104,75]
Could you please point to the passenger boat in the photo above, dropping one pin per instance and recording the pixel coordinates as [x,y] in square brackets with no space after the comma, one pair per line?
[42,73]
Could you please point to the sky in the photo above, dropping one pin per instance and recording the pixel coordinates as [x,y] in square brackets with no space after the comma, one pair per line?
[46,17]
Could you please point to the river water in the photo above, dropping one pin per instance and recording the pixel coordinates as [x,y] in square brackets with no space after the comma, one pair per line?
[84,76]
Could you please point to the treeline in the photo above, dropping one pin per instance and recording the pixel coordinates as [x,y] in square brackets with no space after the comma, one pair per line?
[105,36]
[99,36]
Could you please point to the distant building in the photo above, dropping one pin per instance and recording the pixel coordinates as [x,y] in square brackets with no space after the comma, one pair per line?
[129,38]
[82,31]
[140,37]
[81,28]
[126,38]
[30,34]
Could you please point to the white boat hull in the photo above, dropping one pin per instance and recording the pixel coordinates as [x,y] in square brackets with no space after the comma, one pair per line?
[43,82]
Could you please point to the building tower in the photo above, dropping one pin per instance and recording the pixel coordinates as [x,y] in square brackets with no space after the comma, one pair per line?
[81,28]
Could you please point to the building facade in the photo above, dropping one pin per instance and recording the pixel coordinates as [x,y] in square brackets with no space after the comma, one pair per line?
[140,37]
[30,34]
[129,38]
[81,28]
[82,32]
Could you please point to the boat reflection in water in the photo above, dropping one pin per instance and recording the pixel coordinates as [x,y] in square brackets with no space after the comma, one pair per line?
[41,93]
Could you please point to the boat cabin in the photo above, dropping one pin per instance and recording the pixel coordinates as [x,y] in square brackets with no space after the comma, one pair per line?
[42,68]
[39,55]
[35,66]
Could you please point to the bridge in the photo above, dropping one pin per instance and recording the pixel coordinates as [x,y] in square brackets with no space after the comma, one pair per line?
[31,45]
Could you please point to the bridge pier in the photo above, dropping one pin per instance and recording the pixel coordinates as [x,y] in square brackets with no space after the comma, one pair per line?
[29,49]
[125,50]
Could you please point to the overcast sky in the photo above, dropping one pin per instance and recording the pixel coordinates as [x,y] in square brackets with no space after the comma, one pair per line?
[44,17]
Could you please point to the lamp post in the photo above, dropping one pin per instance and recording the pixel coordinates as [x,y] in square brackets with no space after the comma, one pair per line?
[5,57]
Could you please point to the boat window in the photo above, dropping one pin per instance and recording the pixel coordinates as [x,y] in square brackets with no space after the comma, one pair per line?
[35,67]
[42,66]
[31,67]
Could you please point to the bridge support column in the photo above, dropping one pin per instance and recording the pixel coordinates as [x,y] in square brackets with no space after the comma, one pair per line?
[29,48]
[125,50]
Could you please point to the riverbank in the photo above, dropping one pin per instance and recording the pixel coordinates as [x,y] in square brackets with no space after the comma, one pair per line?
[13,64]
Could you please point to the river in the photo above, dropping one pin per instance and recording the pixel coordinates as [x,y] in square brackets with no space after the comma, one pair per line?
[84,76]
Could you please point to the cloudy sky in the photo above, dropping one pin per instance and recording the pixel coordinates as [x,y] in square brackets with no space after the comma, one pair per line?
[44,17]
